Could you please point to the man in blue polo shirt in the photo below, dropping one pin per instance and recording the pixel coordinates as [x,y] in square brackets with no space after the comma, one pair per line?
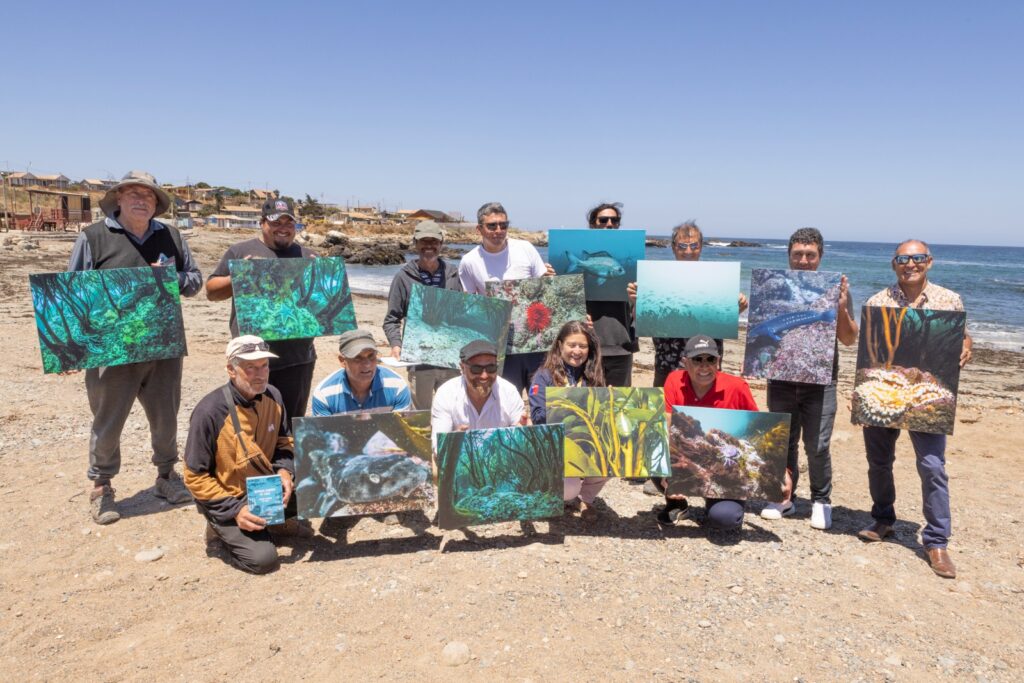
[360,384]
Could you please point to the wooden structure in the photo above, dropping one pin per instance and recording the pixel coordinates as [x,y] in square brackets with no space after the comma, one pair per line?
[53,210]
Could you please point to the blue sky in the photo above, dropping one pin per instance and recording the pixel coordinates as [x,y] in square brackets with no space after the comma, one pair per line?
[870,120]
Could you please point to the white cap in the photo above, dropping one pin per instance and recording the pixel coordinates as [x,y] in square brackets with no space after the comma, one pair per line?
[248,347]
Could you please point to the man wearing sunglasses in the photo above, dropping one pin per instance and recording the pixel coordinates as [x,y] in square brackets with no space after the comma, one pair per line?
[479,399]
[360,384]
[911,263]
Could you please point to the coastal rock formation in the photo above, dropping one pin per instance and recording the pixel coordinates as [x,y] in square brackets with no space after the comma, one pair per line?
[741,243]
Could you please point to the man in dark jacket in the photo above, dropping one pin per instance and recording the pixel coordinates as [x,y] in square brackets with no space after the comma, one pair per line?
[427,269]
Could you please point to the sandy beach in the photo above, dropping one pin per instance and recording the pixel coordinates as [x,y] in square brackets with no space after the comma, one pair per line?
[620,599]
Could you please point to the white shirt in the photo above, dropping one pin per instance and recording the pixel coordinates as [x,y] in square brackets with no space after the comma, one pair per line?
[452,409]
[518,260]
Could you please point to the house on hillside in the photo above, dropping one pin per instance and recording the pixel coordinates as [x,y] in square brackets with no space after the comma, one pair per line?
[262,195]
[223,220]
[22,179]
[55,181]
[96,184]
[242,211]
[192,206]
[430,214]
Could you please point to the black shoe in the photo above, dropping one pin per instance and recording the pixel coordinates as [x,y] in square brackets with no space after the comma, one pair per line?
[673,513]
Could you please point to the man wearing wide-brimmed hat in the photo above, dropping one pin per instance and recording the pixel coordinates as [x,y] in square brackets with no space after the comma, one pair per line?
[129,237]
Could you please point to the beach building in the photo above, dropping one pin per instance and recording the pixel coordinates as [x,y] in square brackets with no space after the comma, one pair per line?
[262,195]
[22,179]
[430,214]
[96,184]
[224,220]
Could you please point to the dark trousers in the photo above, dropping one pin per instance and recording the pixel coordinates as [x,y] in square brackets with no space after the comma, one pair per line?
[812,410]
[930,450]
[294,384]
[520,368]
[252,551]
[719,513]
[618,370]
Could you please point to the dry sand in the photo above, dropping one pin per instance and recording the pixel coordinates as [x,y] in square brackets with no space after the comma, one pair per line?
[617,600]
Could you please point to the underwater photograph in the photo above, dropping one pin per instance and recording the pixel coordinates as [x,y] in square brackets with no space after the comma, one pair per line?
[100,318]
[791,325]
[719,453]
[363,464]
[292,298]
[499,475]
[439,322]
[684,298]
[611,431]
[607,259]
[908,368]
[540,306]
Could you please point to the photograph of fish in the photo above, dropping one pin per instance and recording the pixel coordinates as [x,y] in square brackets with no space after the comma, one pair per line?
[508,474]
[363,464]
[611,431]
[719,453]
[440,322]
[684,298]
[540,306]
[607,259]
[292,298]
[908,368]
[99,318]
[791,325]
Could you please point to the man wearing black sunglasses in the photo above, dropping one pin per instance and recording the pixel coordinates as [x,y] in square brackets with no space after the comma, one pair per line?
[911,263]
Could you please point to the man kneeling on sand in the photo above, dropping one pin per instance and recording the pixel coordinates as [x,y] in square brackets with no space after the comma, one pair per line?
[237,431]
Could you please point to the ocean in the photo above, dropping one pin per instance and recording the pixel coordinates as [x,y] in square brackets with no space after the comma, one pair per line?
[990,279]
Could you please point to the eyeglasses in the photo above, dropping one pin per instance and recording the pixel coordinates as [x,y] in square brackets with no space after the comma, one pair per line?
[496,225]
[683,246]
[480,369]
[904,259]
[608,220]
[705,360]
[249,348]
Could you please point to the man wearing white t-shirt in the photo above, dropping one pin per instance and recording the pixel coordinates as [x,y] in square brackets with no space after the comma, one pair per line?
[499,258]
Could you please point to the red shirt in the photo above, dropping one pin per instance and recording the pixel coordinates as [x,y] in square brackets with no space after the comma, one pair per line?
[729,391]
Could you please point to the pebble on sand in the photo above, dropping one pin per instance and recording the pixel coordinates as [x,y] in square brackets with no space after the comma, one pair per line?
[149,555]
[455,653]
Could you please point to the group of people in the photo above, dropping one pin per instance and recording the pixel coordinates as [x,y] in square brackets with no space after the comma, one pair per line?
[242,428]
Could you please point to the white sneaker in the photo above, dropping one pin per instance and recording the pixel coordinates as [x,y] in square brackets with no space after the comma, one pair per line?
[778,510]
[821,516]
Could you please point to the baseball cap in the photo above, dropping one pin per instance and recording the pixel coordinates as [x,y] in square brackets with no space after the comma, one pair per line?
[275,208]
[354,342]
[476,348]
[701,345]
[248,347]
[428,228]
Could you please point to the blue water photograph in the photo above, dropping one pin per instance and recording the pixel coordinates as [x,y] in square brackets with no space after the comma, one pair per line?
[791,325]
[607,259]
[684,298]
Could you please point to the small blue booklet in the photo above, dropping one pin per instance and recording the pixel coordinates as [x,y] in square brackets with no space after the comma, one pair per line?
[266,498]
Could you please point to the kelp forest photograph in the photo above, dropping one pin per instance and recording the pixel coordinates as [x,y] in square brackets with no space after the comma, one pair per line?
[908,368]
[363,464]
[292,298]
[540,306]
[440,322]
[499,475]
[98,318]
[611,431]
[719,453]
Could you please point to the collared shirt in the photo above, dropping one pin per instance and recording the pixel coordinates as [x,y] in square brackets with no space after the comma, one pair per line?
[932,297]
[334,395]
[728,391]
[452,408]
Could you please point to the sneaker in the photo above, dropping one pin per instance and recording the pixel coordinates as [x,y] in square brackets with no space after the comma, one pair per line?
[651,489]
[295,527]
[821,515]
[778,510]
[104,509]
[172,489]
[675,512]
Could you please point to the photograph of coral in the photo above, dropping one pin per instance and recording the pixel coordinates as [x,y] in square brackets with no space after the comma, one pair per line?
[291,298]
[607,259]
[540,306]
[684,298]
[99,318]
[440,322]
[611,431]
[363,464]
[499,475]
[718,453]
[791,325]
[908,368]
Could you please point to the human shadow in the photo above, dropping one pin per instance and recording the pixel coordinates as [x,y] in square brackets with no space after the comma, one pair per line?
[332,543]
[299,548]
[847,522]
[610,524]
[472,542]
[145,502]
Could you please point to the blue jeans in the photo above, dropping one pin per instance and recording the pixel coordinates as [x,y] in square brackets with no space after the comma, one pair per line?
[930,449]
[812,410]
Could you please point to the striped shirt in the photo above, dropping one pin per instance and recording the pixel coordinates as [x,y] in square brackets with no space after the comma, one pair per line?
[388,390]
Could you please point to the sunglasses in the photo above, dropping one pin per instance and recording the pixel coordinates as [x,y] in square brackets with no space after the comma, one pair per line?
[904,259]
[480,369]
[249,348]
[682,246]
[608,220]
[704,360]
[497,225]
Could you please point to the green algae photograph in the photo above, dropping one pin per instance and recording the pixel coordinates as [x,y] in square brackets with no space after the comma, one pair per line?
[908,368]
[292,298]
[540,306]
[607,259]
[684,298]
[720,453]
[507,474]
[363,464]
[99,318]
[611,431]
[439,322]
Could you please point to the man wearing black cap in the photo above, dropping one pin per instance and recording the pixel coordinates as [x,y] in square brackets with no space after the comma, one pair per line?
[701,384]
[479,399]
[292,371]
